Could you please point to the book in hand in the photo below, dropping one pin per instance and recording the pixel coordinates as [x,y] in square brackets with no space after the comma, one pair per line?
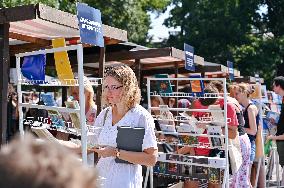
[129,139]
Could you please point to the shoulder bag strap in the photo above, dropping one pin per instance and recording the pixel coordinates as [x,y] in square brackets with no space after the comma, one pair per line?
[105,116]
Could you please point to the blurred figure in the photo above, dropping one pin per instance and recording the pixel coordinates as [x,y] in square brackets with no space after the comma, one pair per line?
[278,88]
[42,165]
[90,105]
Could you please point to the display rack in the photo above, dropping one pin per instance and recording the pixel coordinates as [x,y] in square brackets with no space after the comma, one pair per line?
[55,83]
[211,163]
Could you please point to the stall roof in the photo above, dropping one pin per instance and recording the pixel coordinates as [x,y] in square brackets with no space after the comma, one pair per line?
[34,26]
[248,79]
[150,58]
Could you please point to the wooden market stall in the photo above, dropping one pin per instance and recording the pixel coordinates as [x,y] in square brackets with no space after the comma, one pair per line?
[32,27]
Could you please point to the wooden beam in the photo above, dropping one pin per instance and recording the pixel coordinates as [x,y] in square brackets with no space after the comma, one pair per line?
[157,65]
[15,14]
[137,68]
[4,72]
[21,48]
[30,39]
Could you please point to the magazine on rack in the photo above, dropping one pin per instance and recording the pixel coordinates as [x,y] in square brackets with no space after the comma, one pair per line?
[200,172]
[186,170]
[172,167]
[163,86]
[75,117]
[215,141]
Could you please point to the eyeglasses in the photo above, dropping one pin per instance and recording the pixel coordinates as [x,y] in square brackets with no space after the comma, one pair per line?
[112,87]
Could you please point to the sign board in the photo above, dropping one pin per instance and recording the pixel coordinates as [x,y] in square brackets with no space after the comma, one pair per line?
[230,70]
[189,57]
[90,25]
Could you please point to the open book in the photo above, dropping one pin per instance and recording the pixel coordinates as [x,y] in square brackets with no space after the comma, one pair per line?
[44,134]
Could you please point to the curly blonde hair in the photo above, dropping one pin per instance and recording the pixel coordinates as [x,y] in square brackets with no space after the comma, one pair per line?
[245,88]
[131,92]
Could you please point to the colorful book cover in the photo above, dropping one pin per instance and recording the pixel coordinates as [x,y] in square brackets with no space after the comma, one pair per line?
[188,140]
[214,175]
[160,168]
[196,86]
[62,63]
[163,86]
[200,172]
[172,167]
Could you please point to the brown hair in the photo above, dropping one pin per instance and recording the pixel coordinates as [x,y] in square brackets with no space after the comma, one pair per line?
[27,163]
[125,75]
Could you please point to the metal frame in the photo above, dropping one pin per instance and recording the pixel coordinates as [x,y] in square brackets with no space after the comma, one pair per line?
[226,175]
[81,110]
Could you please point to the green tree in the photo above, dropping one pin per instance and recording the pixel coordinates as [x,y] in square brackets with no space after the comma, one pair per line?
[212,27]
[237,30]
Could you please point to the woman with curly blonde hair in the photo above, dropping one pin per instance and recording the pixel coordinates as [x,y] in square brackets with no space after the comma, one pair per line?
[121,96]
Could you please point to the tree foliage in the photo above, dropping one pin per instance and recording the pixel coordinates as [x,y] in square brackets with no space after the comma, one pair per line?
[247,32]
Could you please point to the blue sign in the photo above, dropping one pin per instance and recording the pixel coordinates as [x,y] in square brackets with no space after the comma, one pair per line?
[90,25]
[189,57]
[231,70]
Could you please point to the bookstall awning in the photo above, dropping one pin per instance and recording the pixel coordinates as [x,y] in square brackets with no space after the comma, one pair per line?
[149,58]
[34,26]
[248,79]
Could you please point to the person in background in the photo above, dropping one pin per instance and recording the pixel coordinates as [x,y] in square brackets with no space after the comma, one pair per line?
[121,96]
[242,177]
[278,88]
[251,117]
[90,105]
[42,165]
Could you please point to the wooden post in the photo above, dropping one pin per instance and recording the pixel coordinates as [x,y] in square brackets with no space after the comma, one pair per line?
[64,95]
[4,72]
[101,75]
[176,76]
[138,71]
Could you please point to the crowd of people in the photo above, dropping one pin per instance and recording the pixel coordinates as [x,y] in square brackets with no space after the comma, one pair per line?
[121,100]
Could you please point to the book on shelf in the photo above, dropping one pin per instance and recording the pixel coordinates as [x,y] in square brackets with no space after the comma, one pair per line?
[163,86]
[186,170]
[172,167]
[75,117]
[160,167]
[200,172]
[196,86]
[215,175]
[215,141]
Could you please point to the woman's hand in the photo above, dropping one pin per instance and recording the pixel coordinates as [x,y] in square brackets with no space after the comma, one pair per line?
[106,151]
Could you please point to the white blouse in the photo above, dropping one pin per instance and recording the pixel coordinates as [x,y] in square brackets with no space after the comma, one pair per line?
[118,175]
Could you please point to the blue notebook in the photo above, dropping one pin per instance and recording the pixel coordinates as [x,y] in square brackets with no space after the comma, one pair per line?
[129,139]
